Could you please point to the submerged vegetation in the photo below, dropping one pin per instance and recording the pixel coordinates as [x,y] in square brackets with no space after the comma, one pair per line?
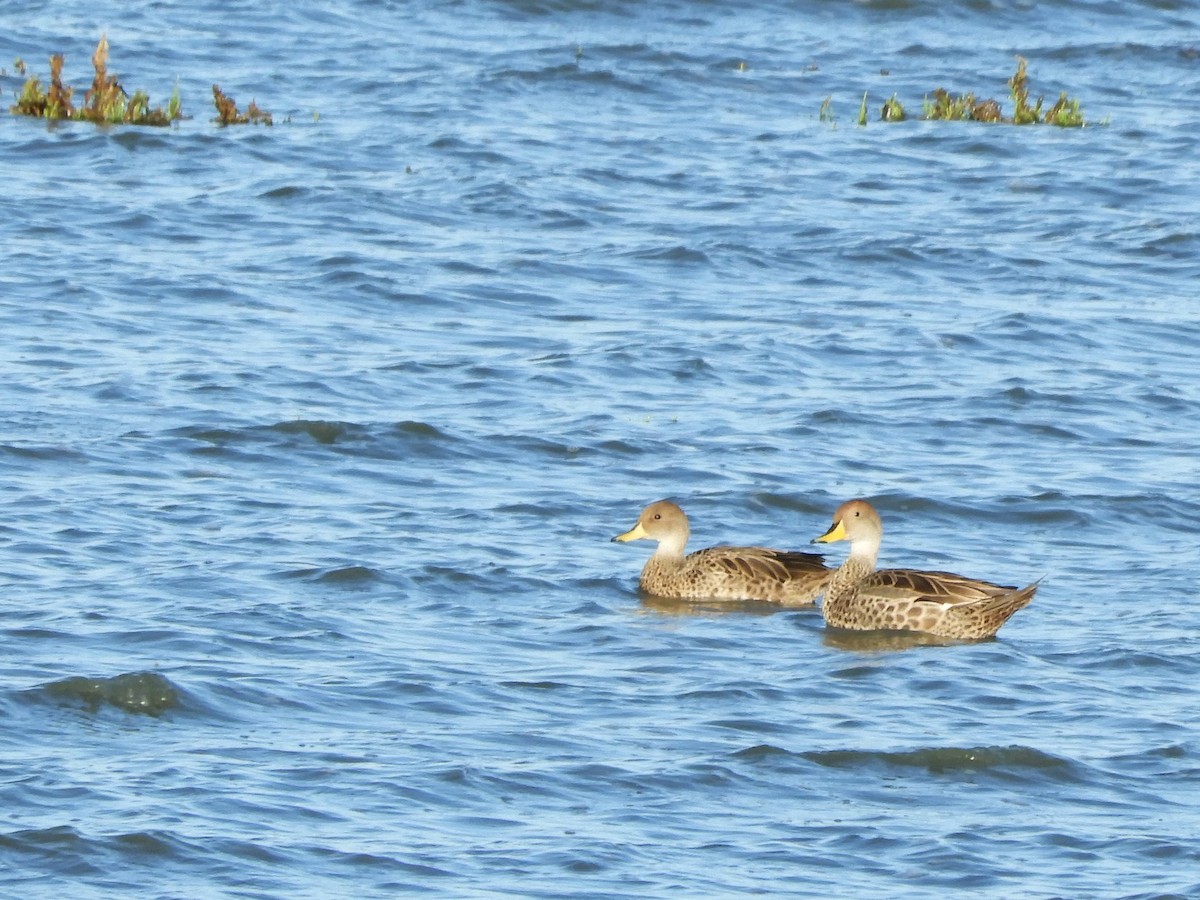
[942,104]
[107,103]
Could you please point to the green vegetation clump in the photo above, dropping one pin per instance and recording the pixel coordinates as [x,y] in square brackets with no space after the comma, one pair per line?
[892,111]
[228,114]
[1065,113]
[961,107]
[1018,87]
[943,105]
[105,102]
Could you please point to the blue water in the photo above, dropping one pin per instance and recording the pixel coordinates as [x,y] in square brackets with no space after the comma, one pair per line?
[314,437]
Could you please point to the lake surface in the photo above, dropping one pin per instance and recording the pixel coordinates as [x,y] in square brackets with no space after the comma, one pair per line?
[314,437]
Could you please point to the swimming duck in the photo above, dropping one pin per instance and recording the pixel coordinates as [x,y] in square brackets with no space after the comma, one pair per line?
[721,573]
[864,598]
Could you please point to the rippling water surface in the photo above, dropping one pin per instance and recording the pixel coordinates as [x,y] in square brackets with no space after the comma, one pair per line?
[314,437]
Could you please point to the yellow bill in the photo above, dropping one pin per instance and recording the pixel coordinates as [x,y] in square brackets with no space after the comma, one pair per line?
[836,532]
[636,533]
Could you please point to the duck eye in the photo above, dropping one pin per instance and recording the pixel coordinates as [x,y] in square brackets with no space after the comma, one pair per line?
[658,515]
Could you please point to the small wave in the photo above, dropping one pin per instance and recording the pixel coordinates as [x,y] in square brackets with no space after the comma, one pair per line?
[553,73]
[137,692]
[139,139]
[418,429]
[763,752]
[349,576]
[67,843]
[465,267]
[535,685]
[751,726]
[677,254]
[37,452]
[378,440]
[320,431]
[285,192]
[70,851]
[941,760]
[562,218]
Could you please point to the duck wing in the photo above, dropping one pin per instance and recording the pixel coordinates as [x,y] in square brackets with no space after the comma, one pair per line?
[943,588]
[764,564]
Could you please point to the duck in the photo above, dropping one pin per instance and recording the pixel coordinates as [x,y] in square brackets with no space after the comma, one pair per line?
[863,598]
[721,573]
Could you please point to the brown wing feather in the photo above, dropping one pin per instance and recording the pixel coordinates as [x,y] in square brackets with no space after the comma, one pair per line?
[930,587]
[778,566]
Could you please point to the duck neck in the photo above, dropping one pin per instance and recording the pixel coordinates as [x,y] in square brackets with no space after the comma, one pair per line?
[670,548]
[667,557]
[864,553]
[858,565]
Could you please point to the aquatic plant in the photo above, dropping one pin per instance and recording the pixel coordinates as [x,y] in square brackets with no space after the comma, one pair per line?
[1065,113]
[826,113]
[986,111]
[943,105]
[105,102]
[1018,87]
[892,110]
[52,104]
[961,107]
[228,114]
